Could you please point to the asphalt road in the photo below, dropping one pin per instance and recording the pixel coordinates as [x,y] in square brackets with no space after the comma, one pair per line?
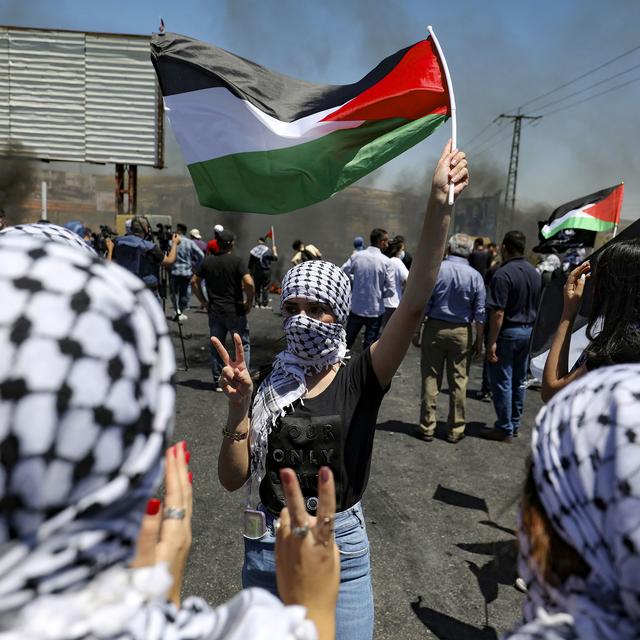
[440,517]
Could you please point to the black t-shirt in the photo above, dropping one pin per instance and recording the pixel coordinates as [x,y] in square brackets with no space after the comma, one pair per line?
[223,277]
[263,263]
[515,288]
[333,429]
[480,261]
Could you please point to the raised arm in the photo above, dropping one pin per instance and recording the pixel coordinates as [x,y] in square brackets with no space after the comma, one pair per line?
[173,251]
[556,374]
[235,381]
[388,352]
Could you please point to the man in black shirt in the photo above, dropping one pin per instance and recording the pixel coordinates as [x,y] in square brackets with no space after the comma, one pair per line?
[512,300]
[226,277]
[480,259]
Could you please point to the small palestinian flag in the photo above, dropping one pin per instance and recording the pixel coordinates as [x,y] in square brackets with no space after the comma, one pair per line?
[258,141]
[551,306]
[269,234]
[598,211]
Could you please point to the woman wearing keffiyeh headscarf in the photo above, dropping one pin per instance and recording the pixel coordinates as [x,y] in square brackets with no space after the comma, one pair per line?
[317,409]
[580,522]
[613,327]
[86,410]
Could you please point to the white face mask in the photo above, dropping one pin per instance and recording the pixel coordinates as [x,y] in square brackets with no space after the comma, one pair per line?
[401,255]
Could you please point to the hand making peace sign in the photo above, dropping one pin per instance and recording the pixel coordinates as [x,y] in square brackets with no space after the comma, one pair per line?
[235,380]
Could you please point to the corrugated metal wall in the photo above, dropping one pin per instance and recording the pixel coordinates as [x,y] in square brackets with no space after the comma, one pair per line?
[79,97]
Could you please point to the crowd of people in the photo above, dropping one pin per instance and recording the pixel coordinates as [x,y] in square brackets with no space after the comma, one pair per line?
[87,411]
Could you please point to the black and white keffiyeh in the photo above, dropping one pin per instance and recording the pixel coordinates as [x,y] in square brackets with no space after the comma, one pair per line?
[86,409]
[51,232]
[586,466]
[312,345]
[259,250]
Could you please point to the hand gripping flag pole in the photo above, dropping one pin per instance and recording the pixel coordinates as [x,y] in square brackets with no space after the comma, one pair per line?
[454,122]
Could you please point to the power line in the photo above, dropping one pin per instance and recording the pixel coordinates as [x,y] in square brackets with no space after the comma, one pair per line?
[481,148]
[468,143]
[477,135]
[580,77]
[480,144]
[595,95]
[592,86]
[491,146]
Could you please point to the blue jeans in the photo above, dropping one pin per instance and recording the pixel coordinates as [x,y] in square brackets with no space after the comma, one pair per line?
[180,292]
[218,328]
[508,376]
[354,611]
[371,329]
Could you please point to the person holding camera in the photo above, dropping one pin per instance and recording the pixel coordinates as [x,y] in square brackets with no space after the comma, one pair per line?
[137,253]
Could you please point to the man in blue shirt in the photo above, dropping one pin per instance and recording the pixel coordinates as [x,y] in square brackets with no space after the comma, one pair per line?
[182,272]
[372,282]
[457,301]
[514,293]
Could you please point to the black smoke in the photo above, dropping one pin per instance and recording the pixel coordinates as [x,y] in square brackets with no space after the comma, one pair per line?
[17,178]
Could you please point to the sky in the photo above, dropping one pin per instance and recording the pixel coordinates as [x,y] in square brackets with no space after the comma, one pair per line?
[501,55]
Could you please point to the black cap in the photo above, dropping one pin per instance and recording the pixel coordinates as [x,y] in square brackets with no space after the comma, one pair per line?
[226,237]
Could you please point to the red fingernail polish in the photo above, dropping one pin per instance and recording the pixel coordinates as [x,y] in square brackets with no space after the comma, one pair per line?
[187,457]
[184,445]
[324,474]
[153,507]
[190,476]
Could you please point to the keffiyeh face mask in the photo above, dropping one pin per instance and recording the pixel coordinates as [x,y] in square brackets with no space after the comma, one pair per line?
[313,341]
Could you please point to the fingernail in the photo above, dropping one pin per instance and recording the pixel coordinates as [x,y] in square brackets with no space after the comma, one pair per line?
[190,476]
[184,445]
[324,474]
[285,477]
[153,507]
[187,456]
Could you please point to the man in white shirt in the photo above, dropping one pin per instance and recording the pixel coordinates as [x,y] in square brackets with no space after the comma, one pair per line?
[400,274]
[373,281]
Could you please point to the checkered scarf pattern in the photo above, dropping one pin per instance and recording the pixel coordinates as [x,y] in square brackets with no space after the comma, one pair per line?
[86,367]
[86,409]
[586,461]
[259,250]
[312,345]
[51,232]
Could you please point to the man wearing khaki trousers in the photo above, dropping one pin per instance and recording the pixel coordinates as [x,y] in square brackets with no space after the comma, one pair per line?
[457,301]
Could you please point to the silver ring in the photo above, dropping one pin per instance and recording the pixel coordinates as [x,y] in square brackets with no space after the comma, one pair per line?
[173,513]
[300,532]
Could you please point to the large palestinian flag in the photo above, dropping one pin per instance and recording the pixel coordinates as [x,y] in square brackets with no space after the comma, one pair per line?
[598,211]
[258,141]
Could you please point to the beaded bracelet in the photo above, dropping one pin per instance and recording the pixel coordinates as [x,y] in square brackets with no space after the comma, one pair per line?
[232,435]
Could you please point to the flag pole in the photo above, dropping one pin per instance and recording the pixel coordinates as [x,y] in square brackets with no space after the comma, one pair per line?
[615,226]
[273,236]
[454,122]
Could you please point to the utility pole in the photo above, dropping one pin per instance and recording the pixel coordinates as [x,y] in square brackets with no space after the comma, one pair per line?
[512,177]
